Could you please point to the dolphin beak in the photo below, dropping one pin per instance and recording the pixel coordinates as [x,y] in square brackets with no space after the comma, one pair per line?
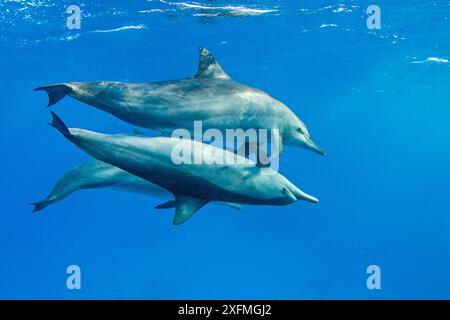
[304,196]
[296,194]
[313,146]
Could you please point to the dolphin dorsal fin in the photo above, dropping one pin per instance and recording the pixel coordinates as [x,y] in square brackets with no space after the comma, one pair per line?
[186,206]
[208,68]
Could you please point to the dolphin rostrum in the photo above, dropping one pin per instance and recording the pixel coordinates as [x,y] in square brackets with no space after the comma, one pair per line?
[95,174]
[210,96]
[192,185]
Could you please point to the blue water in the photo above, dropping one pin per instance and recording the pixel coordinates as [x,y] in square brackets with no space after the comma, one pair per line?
[376,100]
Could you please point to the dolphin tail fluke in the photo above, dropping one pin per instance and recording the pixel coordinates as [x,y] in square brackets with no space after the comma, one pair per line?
[41,204]
[59,125]
[55,92]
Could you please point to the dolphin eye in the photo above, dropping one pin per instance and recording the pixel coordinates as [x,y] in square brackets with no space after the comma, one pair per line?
[300,130]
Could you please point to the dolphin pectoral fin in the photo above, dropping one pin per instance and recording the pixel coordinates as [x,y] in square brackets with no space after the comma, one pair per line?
[230,204]
[138,132]
[166,205]
[208,68]
[55,92]
[186,206]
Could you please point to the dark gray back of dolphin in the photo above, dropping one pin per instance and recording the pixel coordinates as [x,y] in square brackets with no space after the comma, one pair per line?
[210,96]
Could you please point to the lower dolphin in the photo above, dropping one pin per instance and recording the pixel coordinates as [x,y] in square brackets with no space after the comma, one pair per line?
[95,174]
[193,185]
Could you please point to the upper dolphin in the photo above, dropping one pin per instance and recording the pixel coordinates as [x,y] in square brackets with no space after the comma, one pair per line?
[193,185]
[95,174]
[210,96]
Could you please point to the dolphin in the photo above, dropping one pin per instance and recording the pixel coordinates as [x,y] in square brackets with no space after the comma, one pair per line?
[192,185]
[210,96]
[95,174]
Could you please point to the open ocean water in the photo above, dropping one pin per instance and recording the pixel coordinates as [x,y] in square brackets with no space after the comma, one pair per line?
[377,100]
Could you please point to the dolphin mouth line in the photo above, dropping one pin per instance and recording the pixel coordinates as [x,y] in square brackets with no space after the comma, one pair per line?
[314,146]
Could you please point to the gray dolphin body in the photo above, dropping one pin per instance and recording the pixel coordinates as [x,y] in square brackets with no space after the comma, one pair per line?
[193,185]
[95,174]
[210,96]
